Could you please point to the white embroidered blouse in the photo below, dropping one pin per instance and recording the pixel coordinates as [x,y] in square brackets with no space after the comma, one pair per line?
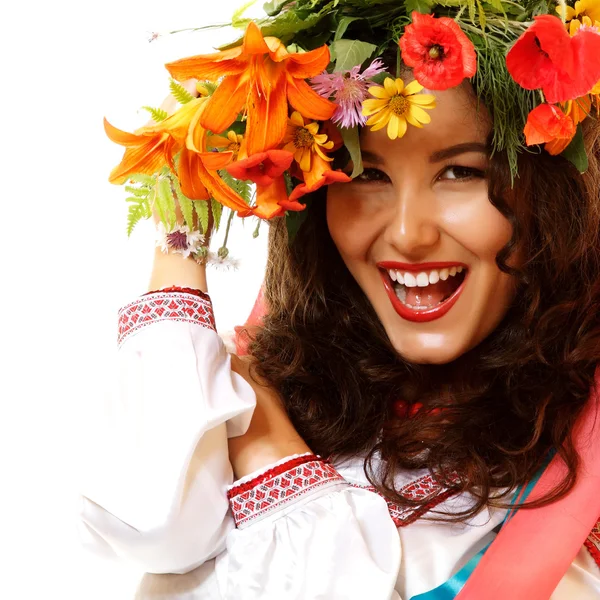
[160,489]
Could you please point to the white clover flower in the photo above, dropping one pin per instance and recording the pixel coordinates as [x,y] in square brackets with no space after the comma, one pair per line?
[222,263]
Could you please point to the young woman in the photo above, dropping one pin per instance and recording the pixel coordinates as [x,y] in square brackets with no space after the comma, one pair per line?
[416,417]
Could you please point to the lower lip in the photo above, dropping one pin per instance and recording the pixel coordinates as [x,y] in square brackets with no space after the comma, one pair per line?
[421,316]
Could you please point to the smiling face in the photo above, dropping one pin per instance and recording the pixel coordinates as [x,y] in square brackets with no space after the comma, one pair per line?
[420,236]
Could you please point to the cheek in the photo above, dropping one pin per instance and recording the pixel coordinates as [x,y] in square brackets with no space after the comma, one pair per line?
[478,227]
[353,223]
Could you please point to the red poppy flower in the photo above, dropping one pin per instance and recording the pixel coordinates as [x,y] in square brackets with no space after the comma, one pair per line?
[262,168]
[546,57]
[438,51]
[547,124]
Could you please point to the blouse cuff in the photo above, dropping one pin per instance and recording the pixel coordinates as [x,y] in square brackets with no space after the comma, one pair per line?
[289,481]
[191,306]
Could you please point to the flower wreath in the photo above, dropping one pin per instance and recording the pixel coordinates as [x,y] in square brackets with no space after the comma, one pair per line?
[274,107]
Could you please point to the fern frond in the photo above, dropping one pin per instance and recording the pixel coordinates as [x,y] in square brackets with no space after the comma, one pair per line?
[138,210]
[217,211]
[187,208]
[239,186]
[147,180]
[181,94]
[164,202]
[140,192]
[201,208]
[158,114]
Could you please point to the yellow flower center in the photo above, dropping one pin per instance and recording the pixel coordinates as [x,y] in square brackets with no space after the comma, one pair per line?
[303,138]
[399,105]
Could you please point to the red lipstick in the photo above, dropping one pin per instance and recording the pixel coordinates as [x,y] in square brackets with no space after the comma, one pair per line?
[420,316]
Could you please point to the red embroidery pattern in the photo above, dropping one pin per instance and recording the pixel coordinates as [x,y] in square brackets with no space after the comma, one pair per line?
[422,489]
[593,543]
[162,306]
[176,288]
[283,484]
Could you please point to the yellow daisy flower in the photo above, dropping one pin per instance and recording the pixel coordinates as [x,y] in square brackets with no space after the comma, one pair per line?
[397,105]
[585,12]
[232,143]
[304,140]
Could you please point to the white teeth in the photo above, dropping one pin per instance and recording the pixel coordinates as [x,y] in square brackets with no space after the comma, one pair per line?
[410,280]
[400,291]
[422,280]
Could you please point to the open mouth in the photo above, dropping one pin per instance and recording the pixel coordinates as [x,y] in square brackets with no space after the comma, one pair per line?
[423,295]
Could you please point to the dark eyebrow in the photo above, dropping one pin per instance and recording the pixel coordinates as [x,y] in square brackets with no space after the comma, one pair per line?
[371,157]
[458,149]
[438,156]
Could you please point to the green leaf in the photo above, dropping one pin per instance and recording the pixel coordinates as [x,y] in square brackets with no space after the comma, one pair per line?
[482,18]
[496,5]
[217,211]
[201,207]
[158,114]
[350,53]
[181,94]
[471,6]
[343,25]
[575,151]
[352,143]
[274,7]
[293,222]
[420,6]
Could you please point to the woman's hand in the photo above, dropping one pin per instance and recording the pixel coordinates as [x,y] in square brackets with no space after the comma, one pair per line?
[271,435]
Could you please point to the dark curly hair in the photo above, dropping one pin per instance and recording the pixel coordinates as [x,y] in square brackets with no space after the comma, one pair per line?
[506,404]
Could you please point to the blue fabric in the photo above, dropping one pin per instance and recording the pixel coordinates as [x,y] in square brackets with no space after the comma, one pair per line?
[450,589]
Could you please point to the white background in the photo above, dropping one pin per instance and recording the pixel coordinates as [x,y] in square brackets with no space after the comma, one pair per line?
[66,263]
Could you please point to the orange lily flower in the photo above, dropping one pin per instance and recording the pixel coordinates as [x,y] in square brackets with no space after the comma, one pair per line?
[198,167]
[151,148]
[260,76]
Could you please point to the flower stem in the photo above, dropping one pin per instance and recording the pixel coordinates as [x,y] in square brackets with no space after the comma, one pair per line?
[229,221]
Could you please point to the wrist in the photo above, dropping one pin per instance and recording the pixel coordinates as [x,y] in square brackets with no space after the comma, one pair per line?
[175,270]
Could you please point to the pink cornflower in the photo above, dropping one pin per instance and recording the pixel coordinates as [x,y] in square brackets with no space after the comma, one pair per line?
[347,89]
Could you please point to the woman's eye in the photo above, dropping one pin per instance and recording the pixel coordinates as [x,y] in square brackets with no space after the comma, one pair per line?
[457,173]
[372,176]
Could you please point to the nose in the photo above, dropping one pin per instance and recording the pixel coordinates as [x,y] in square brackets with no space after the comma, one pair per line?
[414,229]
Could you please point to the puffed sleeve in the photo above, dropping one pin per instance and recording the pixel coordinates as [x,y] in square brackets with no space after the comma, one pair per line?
[154,487]
[302,533]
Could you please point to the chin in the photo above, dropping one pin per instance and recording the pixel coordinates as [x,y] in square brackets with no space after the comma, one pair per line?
[429,351]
